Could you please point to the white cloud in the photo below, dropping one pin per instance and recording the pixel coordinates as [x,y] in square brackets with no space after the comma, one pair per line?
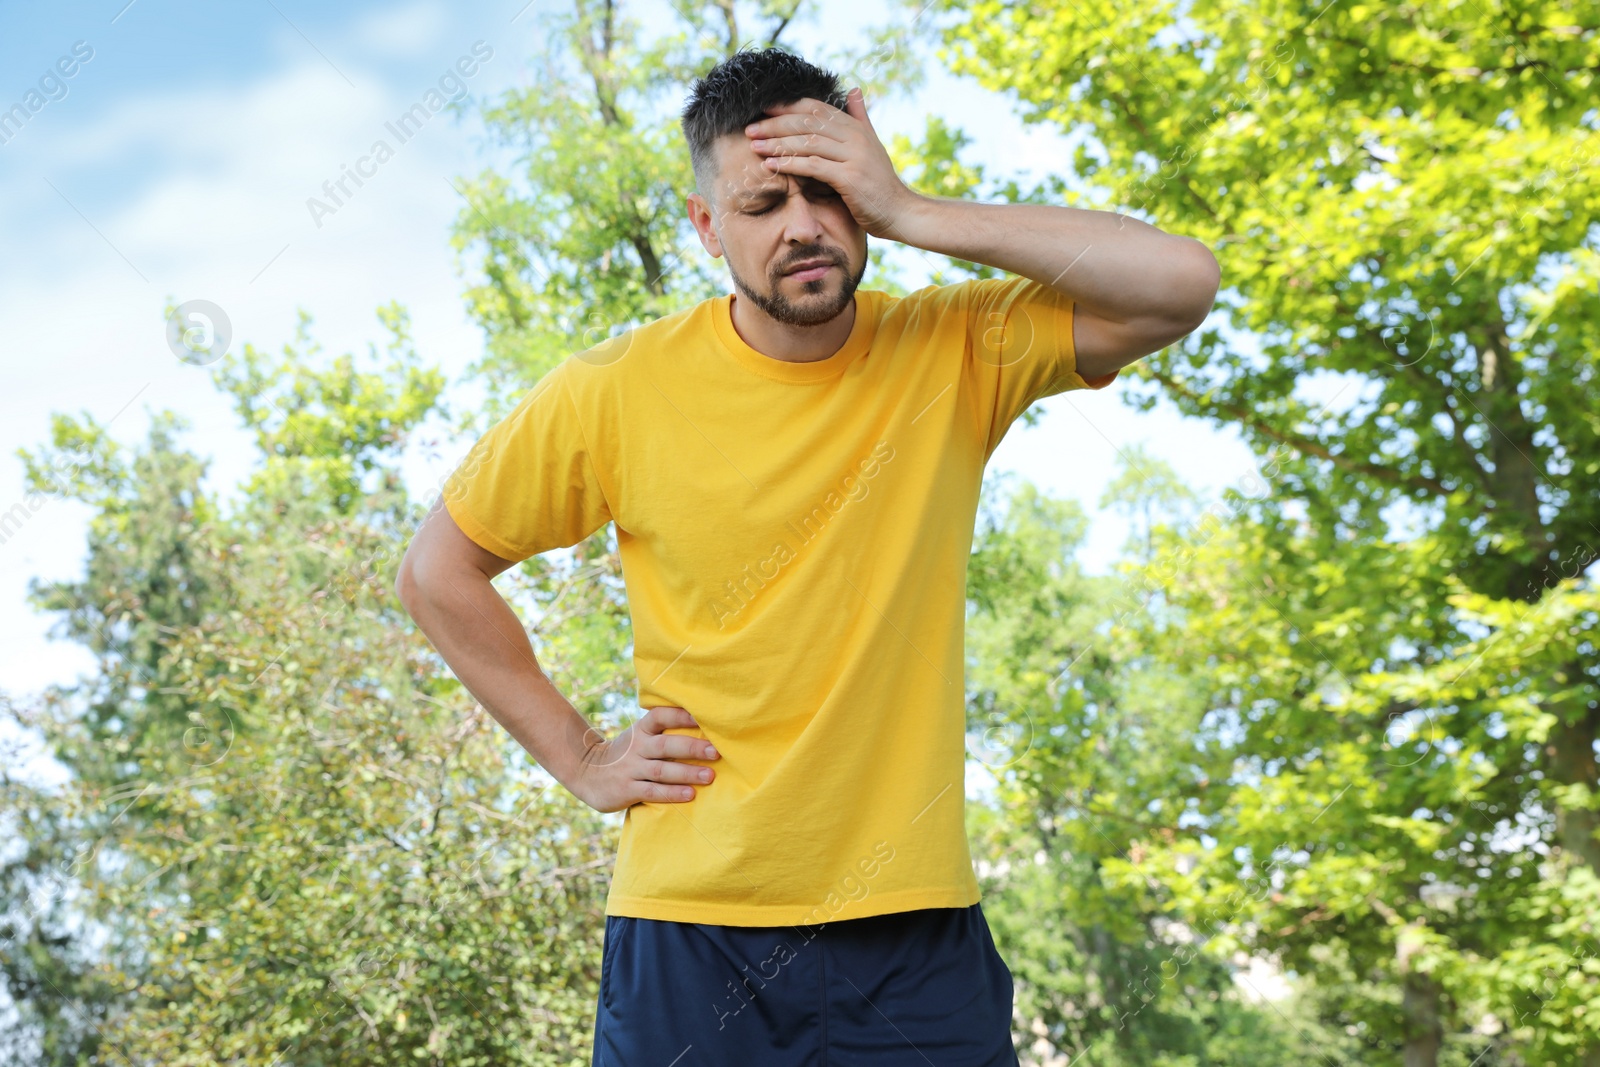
[200,190]
[402,31]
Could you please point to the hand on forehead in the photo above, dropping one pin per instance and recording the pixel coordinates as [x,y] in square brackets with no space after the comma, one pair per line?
[806,115]
[745,176]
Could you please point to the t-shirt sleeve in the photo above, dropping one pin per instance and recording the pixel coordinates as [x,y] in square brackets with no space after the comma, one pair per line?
[1019,345]
[530,483]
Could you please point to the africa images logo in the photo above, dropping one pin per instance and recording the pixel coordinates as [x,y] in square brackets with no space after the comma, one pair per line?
[854,888]
[52,86]
[739,592]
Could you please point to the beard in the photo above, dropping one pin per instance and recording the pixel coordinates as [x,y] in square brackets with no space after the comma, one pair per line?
[820,301]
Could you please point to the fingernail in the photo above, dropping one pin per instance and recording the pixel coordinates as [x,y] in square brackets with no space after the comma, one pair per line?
[705,776]
[711,752]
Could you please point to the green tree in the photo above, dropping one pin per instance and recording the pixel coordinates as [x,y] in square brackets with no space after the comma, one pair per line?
[1086,734]
[305,839]
[1399,201]
[1364,826]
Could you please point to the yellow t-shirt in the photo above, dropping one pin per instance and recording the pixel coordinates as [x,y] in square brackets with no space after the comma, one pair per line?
[794,541]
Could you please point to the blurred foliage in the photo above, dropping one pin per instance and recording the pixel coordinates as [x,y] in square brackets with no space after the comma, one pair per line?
[298,838]
[1089,736]
[1388,637]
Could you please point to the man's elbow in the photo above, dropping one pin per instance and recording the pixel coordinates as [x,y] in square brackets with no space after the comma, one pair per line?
[407,586]
[1202,279]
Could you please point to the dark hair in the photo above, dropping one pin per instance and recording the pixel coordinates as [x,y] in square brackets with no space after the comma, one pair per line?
[737,92]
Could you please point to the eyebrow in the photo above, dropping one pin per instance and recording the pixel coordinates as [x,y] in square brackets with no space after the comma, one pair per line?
[773,192]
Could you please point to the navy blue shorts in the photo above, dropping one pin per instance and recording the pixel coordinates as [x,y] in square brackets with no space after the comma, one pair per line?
[900,990]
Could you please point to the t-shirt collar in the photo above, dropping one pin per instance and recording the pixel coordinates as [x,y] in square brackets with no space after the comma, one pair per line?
[860,339]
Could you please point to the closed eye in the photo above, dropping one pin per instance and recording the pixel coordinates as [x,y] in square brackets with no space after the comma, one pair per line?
[816,190]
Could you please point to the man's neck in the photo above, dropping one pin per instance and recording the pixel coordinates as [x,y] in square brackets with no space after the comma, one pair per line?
[792,344]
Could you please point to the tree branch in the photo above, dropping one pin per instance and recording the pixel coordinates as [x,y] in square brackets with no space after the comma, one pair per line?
[1249,418]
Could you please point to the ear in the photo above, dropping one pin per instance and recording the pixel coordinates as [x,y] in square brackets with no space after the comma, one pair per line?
[700,216]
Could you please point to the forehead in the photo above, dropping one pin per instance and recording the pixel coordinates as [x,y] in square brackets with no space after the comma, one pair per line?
[743,180]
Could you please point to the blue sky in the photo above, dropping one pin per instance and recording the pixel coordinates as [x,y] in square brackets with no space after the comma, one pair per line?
[175,164]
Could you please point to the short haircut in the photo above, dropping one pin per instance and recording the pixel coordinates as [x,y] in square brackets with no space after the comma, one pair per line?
[737,92]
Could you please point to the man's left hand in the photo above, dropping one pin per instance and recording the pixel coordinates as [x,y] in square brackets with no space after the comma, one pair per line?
[817,140]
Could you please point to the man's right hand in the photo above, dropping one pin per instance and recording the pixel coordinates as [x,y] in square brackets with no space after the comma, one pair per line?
[640,764]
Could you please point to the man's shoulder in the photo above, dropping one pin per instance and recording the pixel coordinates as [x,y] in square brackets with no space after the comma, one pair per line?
[614,354]
[939,295]
[964,301]
[936,301]
[607,344]
[961,289]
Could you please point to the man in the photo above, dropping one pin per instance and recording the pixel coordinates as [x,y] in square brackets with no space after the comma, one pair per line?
[793,470]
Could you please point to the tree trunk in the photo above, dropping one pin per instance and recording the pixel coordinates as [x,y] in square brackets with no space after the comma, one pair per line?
[1423,1031]
[1514,482]
[1570,752]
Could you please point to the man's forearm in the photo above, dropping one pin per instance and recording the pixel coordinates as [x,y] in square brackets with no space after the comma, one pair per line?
[482,640]
[1116,267]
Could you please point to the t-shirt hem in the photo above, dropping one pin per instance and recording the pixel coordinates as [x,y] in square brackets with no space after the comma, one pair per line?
[790,914]
[478,532]
[1072,379]
[1075,380]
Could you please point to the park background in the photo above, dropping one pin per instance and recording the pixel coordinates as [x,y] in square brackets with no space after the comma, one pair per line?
[1282,658]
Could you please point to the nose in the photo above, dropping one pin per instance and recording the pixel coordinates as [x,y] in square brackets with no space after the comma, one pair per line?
[802,224]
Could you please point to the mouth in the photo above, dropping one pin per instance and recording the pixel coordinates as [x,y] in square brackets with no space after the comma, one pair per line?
[809,273]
